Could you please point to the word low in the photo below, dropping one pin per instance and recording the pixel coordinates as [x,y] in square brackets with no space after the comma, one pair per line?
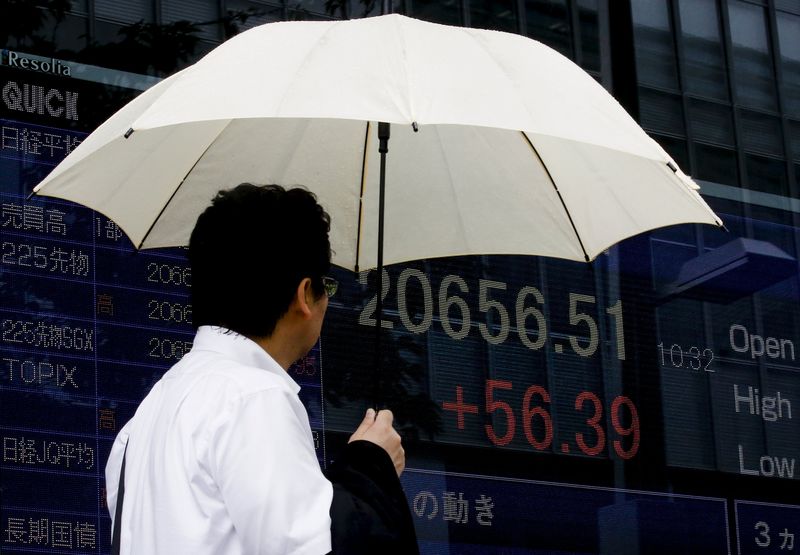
[769,467]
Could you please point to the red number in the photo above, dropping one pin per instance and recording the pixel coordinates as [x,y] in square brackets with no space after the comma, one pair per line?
[633,429]
[492,405]
[593,422]
[527,417]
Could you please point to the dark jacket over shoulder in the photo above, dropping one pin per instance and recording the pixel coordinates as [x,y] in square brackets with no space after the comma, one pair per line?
[369,512]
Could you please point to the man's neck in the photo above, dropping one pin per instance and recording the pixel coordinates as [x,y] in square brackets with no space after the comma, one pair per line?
[278,349]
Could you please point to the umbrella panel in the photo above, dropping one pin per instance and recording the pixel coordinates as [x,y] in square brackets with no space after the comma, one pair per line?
[451,190]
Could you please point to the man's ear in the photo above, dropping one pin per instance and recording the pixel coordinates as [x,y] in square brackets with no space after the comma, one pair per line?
[304,296]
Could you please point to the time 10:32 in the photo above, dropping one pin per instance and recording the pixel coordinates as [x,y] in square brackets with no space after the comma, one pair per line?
[692,358]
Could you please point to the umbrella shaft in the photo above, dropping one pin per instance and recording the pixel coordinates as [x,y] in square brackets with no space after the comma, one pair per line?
[383,148]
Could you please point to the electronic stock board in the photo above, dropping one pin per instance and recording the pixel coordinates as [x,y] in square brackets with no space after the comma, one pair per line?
[646,403]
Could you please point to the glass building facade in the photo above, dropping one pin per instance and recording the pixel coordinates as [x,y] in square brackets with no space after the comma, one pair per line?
[647,403]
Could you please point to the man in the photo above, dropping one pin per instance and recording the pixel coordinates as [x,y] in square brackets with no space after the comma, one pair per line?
[219,457]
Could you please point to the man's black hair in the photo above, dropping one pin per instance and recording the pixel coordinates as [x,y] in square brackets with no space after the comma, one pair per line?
[250,250]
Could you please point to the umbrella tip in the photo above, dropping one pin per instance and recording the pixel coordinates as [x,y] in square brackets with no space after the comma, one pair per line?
[414,126]
[129,132]
[672,166]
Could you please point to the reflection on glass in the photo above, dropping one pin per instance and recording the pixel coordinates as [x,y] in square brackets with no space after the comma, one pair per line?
[590,34]
[106,32]
[715,164]
[71,33]
[548,22]
[124,12]
[500,15]
[365,8]
[256,14]
[313,10]
[794,140]
[754,80]
[767,175]
[761,133]
[196,12]
[655,52]
[670,255]
[711,122]
[448,12]
[732,214]
[683,233]
[661,111]
[774,224]
[702,49]
[789,41]
[80,7]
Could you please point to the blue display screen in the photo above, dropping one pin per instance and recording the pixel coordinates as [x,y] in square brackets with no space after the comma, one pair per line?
[648,402]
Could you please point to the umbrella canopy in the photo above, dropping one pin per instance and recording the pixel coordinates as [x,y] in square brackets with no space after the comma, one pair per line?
[499,145]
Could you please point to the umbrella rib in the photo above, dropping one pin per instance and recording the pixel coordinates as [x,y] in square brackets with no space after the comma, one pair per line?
[361,196]
[175,192]
[563,204]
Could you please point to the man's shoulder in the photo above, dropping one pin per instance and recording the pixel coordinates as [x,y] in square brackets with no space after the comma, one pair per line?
[202,388]
[224,376]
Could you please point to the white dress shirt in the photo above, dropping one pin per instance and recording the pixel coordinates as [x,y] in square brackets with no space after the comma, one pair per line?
[221,459]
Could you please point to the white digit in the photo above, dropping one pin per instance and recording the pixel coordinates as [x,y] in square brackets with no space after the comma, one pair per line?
[446,302]
[485,304]
[763,528]
[402,303]
[523,313]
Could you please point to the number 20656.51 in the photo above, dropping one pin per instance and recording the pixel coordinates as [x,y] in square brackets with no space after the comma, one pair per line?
[455,315]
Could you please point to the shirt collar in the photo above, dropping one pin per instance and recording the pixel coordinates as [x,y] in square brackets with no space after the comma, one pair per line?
[241,349]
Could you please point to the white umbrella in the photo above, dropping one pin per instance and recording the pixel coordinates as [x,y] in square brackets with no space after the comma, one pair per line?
[499,144]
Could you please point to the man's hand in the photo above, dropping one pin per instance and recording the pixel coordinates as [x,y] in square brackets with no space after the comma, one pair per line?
[378,430]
